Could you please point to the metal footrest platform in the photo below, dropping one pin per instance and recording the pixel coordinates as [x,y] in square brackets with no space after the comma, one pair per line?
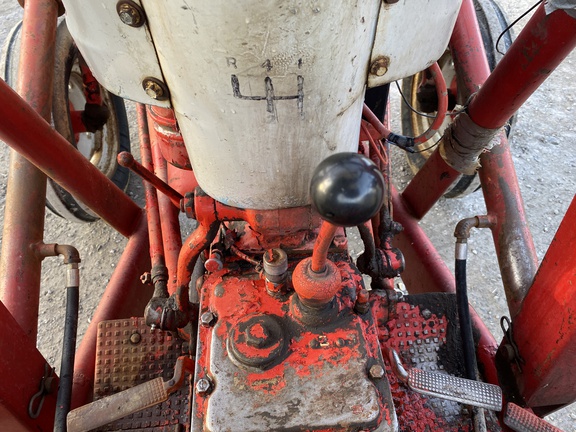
[424,332]
[130,353]
[521,420]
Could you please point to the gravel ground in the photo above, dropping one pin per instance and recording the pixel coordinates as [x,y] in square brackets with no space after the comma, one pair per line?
[545,166]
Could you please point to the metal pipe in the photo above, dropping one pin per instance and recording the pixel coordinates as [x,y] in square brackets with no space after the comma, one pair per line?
[545,328]
[152,213]
[512,238]
[127,160]
[467,49]
[321,246]
[428,185]
[544,42]
[49,151]
[171,237]
[20,267]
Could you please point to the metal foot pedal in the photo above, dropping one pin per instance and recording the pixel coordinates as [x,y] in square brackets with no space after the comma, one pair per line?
[521,420]
[465,391]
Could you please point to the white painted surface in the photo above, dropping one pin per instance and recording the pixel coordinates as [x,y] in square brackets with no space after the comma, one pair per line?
[412,34]
[119,56]
[263,91]
[257,153]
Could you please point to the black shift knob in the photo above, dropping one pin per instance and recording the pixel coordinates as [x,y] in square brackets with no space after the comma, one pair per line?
[347,189]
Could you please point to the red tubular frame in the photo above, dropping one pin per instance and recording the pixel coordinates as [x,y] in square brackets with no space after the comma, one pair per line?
[26,192]
[538,50]
[545,328]
[45,148]
[544,325]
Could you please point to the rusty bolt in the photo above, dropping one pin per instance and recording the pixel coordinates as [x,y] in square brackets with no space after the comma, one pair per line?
[208,319]
[130,13]
[203,386]
[146,278]
[362,302]
[135,338]
[258,335]
[155,88]
[379,67]
[376,371]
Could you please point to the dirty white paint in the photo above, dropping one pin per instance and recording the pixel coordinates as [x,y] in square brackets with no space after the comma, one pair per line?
[119,56]
[411,35]
[263,91]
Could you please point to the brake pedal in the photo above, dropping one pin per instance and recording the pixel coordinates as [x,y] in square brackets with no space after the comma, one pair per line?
[465,391]
[521,420]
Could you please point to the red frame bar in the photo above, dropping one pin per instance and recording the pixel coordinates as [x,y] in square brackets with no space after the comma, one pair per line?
[537,51]
[22,368]
[45,148]
[20,266]
[545,328]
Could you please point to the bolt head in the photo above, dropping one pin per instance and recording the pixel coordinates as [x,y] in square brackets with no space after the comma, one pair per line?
[379,67]
[258,335]
[376,372]
[146,278]
[208,319]
[130,13]
[153,89]
[135,338]
[203,386]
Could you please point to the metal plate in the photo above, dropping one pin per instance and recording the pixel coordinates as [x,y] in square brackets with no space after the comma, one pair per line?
[425,334]
[130,353]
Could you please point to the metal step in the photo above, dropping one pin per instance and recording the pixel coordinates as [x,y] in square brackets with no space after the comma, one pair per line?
[475,393]
[521,420]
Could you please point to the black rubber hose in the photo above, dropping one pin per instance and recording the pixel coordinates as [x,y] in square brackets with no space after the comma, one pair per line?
[64,398]
[465,320]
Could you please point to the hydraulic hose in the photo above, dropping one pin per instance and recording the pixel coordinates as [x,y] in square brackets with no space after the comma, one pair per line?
[464,316]
[71,258]
[67,366]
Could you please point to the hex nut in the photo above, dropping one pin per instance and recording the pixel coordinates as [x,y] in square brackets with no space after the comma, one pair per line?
[130,13]
[155,89]
[146,278]
[203,386]
[208,319]
[376,371]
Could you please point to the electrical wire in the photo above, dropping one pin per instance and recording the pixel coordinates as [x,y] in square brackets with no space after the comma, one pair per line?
[507,29]
[414,110]
[429,148]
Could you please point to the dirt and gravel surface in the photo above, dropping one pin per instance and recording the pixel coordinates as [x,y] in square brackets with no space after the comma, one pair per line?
[546,167]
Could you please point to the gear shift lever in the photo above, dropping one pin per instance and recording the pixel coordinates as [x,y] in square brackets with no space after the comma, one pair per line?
[347,189]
